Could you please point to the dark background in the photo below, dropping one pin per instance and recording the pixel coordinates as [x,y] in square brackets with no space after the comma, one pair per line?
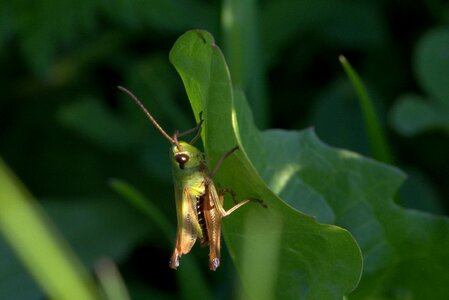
[65,130]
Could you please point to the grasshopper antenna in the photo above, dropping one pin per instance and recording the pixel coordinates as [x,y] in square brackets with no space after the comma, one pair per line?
[149,116]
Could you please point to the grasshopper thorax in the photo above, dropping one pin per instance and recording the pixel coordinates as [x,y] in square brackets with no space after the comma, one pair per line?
[186,156]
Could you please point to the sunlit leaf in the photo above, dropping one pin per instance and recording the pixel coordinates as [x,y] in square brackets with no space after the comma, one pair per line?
[314,260]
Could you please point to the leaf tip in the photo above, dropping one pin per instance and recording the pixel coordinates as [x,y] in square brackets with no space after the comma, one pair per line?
[204,36]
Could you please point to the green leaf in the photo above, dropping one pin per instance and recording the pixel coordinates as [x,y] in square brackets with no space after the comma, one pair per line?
[39,246]
[432,64]
[412,115]
[305,258]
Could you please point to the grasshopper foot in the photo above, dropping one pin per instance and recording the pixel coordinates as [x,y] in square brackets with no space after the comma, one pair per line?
[214,264]
[174,261]
[259,202]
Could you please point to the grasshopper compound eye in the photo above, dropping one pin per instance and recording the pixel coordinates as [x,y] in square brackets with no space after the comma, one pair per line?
[182,159]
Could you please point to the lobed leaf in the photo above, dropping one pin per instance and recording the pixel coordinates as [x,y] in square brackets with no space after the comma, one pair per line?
[291,253]
[306,258]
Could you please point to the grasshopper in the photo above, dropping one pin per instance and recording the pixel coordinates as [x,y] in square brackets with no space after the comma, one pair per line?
[199,207]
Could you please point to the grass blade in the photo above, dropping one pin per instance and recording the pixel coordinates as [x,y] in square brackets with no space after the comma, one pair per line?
[378,142]
[111,281]
[39,246]
[139,201]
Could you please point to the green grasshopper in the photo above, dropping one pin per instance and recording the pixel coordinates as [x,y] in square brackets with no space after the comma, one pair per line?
[199,206]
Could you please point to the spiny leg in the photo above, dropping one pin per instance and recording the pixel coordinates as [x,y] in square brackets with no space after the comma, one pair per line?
[241,203]
[224,213]
[214,243]
[214,213]
[215,235]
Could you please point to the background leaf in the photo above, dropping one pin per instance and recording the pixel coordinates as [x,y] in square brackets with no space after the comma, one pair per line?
[432,63]
[413,114]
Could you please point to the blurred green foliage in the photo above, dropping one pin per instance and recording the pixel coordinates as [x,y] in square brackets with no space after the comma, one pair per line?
[65,130]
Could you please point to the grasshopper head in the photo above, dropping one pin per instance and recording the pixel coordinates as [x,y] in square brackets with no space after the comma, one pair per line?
[186,156]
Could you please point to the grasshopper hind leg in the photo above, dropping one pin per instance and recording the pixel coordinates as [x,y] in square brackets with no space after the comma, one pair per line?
[174,261]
